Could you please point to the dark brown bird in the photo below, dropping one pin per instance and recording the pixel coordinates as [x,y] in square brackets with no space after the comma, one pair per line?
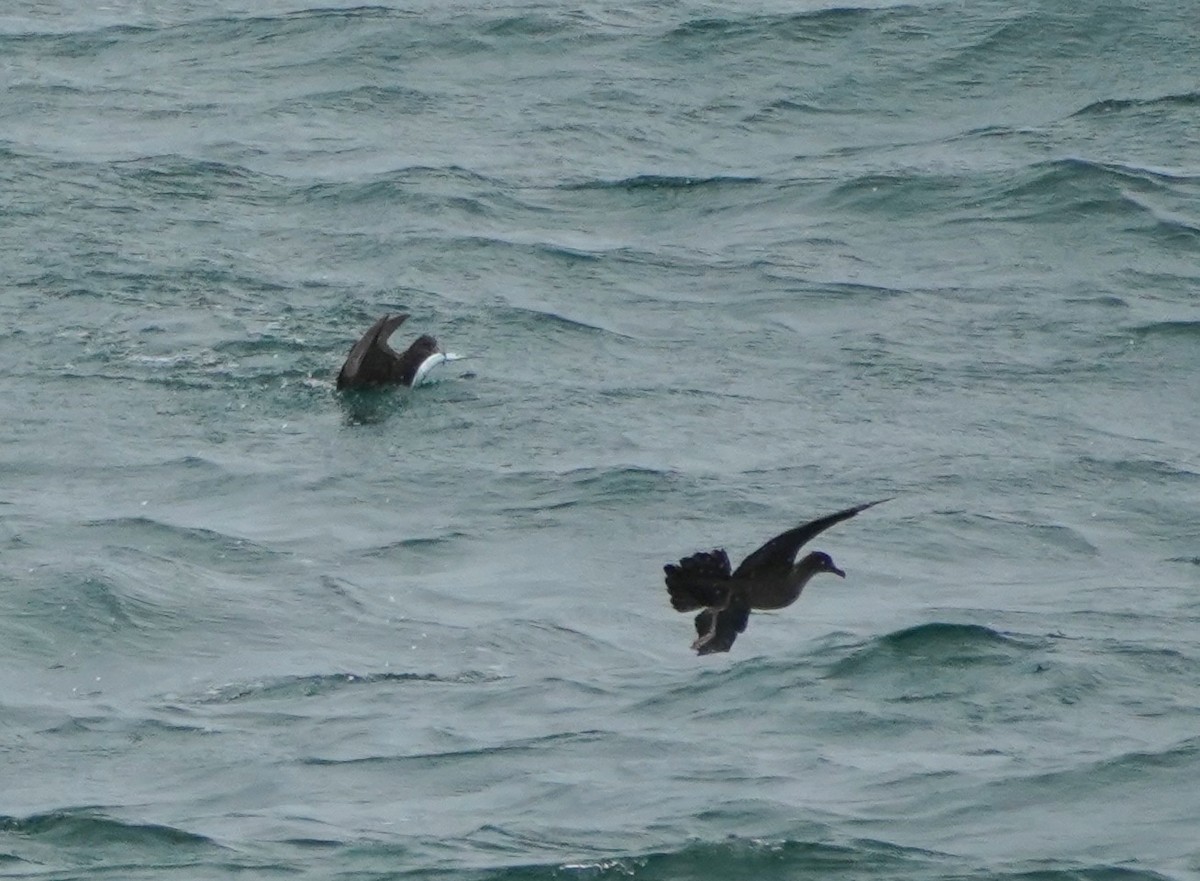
[372,362]
[767,579]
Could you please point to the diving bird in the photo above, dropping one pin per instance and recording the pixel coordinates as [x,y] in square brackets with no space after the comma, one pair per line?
[767,579]
[372,362]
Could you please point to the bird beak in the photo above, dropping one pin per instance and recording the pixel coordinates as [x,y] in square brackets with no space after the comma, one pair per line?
[836,571]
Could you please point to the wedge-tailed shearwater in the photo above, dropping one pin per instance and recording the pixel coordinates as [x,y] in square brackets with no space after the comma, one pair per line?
[372,362]
[767,579]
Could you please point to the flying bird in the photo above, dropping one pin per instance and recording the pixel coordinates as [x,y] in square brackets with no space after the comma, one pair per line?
[770,578]
[372,362]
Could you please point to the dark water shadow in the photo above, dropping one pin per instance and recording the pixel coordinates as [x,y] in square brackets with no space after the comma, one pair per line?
[372,406]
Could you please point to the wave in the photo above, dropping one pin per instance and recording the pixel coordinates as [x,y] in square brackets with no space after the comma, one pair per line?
[157,538]
[938,636]
[101,33]
[676,183]
[547,321]
[1009,35]
[1181,329]
[590,487]
[1058,188]
[511,249]
[1170,222]
[287,687]
[88,842]
[1108,106]
[806,26]
[259,351]
[486,753]
[430,189]
[265,345]
[82,836]
[447,539]
[537,25]
[183,177]
[99,601]
[1156,470]
[89,828]
[851,291]
[139,585]
[1076,168]
[1141,768]
[864,858]
[364,98]
[1041,192]
[903,191]
[930,646]
[1073,186]
[969,529]
[757,858]
[929,660]
[784,108]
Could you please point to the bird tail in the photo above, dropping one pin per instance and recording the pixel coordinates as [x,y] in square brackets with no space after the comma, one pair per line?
[698,581]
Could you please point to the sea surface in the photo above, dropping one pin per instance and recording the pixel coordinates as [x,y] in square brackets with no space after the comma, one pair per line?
[719,269]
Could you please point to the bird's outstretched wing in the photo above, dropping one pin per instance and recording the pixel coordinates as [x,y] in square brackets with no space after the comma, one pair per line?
[370,360]
[699,581]
[716,629]
[776,556]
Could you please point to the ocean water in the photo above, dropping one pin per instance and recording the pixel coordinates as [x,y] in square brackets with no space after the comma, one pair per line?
[719,269]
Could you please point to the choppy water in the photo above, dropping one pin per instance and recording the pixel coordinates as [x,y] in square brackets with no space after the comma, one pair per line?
[720,271]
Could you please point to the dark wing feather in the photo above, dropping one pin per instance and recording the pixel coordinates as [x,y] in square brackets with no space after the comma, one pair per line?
[698,581]
[370,360]
[723,630]
[776,556]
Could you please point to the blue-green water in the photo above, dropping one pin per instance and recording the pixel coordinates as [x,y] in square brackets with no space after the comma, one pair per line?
[720,270]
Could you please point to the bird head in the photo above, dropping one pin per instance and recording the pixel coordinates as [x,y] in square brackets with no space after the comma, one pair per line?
[819,561]
[422,347]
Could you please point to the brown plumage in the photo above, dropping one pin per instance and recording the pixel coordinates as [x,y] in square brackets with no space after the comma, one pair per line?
[372,362]
[769,578]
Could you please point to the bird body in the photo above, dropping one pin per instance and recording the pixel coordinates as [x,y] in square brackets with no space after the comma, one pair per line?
[372,362]
[769,578]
